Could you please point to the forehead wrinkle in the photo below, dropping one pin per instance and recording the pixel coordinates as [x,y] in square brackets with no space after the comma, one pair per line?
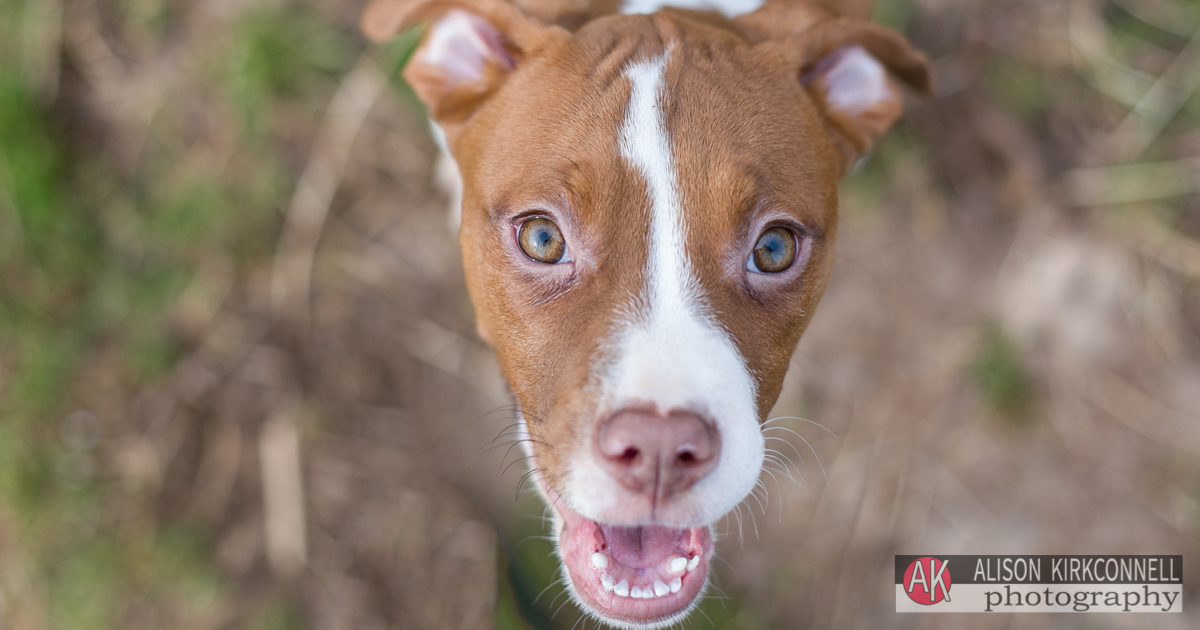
[768,156]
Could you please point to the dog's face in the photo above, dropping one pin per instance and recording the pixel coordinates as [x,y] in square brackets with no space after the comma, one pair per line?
[648,221]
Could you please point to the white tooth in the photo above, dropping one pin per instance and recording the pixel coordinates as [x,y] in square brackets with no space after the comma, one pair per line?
[636,592]
[677,565]
[676,584]
[600,561]
[622,588]
[693,563]
[607,582]
[661,589]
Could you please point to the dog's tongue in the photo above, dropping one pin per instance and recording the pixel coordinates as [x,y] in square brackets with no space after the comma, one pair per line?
[646,546]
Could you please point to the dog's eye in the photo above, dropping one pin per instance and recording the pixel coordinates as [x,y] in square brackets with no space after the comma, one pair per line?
[774,252]
[542,241]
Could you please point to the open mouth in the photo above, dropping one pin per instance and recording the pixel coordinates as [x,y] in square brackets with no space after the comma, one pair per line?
[644,576]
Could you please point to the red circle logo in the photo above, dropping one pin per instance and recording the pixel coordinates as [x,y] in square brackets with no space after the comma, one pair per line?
[927,581]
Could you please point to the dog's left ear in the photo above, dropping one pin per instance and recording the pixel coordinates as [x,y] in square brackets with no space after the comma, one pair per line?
[846,65]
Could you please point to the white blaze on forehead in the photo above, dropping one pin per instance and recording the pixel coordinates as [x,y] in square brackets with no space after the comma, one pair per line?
[644,144]
[728,8]
[668,353]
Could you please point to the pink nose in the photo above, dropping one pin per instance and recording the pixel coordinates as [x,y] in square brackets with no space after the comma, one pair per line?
[655,455]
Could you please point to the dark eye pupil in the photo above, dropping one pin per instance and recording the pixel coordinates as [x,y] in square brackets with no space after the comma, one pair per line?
[541,240]
[775,250]
[773,245]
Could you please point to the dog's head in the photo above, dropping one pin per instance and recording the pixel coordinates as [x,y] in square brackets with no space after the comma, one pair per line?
[648,219]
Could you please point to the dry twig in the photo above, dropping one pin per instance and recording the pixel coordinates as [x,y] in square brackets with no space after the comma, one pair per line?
[291,276]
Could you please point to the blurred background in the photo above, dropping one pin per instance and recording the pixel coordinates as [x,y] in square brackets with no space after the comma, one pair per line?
[240,385]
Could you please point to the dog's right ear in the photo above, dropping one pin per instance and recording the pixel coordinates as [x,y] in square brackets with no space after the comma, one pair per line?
[469,48]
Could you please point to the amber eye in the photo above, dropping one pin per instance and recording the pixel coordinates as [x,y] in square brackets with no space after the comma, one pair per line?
[774,252]
[542,241]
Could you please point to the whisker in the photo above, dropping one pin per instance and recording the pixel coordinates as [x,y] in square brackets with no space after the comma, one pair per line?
[766,494]
[777,458]
[515,462]
[802,438]
[531,414]
[760,504]
[506,409]
[534,415]
[492,443]
[780,490]
[721,595]
[782,465]
[739,525]
[754,521]
[511,447]
[560,606]
[515,437]
[548,587]
[817,424]
[818,458]
[793,446]
[543,518]
[725,562]
[524,478]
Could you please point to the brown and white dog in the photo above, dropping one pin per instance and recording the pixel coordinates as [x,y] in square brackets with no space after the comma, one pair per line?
[648,213]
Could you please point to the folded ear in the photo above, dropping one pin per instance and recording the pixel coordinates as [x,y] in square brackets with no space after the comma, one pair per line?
[847,66]
[468,50]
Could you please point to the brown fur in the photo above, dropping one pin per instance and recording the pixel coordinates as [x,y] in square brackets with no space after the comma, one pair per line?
[753,145]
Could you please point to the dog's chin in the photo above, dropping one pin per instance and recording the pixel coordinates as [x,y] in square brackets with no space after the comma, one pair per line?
[646,576]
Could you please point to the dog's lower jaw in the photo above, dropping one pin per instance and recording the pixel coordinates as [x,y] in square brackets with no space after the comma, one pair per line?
[639,577]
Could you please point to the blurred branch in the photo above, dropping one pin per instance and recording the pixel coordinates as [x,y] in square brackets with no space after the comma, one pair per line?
[283,492]
[10,214]
[1167,247]
[90,52]
[456,355]
[1107,75]
[1132,182]
[1142,413]
[1165,15]
[1159,104]
[130,94]
[291,276]
[48,69]
[218,472]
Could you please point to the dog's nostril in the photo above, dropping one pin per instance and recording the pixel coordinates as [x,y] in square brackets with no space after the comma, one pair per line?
[657,455]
